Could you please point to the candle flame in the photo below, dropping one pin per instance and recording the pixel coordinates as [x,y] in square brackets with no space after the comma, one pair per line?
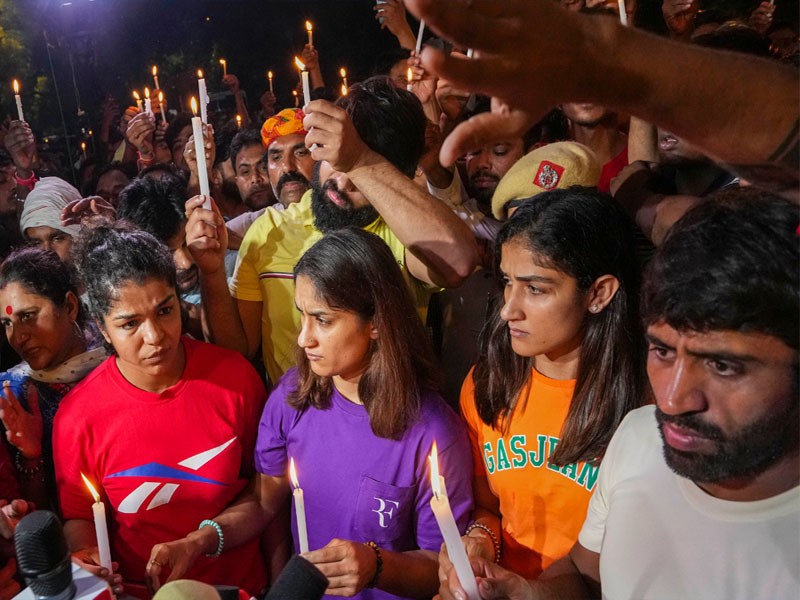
[146,92]
[199,73]
[293,474]
[342,72]
[90,132]
[344,90]
[294,93]
[193,104]
[136,95]
[83,145]
[155,70]
[92,491]
[269,74]
[16,86]
[435,481]
[309,27]
[299,64]
[409,74]
[222,61]
[160,96]
[239,120]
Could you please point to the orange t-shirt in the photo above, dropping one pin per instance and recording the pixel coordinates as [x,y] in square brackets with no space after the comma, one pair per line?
[543,507]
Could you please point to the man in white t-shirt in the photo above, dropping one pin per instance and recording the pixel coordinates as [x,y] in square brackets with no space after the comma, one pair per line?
[698,496]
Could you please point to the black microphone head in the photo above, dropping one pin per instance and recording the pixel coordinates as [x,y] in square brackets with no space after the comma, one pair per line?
[42,555]
[299,580]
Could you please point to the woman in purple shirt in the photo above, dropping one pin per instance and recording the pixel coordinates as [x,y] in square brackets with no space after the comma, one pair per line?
[359,416]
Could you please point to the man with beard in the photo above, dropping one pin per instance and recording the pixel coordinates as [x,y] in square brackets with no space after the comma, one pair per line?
[155,205]
[367,147]
[698,496]
[598,128]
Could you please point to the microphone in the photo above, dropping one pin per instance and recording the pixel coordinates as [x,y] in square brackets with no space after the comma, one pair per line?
[299,580]
[43,559]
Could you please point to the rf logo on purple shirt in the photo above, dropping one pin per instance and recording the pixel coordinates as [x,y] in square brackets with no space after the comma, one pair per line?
[385,510]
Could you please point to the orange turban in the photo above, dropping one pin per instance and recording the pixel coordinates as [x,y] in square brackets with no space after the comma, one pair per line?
[286,122]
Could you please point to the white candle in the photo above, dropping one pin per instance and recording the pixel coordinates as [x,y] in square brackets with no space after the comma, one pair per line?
[202,96]
[155,77]
[310,30]
[470,52]
[224,64]
[200,154]
[419,35]
[304,79]
[148,105]
[440,505]
[299,509]
[623,13]
[161,106]
[100,526]
[19,100]
[138,99]
[269,76]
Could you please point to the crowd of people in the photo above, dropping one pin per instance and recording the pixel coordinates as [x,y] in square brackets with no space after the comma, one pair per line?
[562,250]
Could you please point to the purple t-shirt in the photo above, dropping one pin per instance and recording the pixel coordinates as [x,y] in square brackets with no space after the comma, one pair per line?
[360,487]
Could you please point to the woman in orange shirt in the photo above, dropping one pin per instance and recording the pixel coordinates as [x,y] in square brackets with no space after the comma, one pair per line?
[562,361]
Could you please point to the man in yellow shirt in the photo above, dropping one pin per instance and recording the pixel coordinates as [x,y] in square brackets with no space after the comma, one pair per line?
[367,147]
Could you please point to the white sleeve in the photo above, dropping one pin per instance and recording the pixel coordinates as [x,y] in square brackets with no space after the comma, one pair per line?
[452,195]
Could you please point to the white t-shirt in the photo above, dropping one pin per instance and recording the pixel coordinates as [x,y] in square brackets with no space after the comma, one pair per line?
[660,536]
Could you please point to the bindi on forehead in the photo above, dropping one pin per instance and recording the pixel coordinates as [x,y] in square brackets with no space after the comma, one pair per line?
[9,310]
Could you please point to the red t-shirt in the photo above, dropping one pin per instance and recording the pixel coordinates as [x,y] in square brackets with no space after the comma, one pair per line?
[164,462]
[611,169]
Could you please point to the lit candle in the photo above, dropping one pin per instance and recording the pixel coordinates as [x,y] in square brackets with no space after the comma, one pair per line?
[83,149]
[299,509]
[344,90]
[15,85]
[310,30]
[161,106]
[304,78]
[409,77]
[138,99]
[200,153]
[238,121]
[419,35]
[343,73]
[224,64]
[296,99]
[470,52]
[269,76]
[100,526]
[155,77]
[623,13]
[203,96]
[440,506]
[148,105]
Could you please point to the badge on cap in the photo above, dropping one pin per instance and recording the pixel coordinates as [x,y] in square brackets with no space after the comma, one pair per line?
[548,175]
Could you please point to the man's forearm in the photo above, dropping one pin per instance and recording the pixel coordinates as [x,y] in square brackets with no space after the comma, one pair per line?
[738,109]
[425,226]
[411,574]
[561,581]
[224,323]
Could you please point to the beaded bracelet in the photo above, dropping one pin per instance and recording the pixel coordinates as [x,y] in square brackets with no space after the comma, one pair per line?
[221,542]
[492,536]
[378,564]
[29,472]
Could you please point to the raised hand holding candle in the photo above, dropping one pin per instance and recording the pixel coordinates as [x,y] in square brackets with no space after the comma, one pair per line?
[224,64]
[148,106]
[100,526]
[203,95]
[138,99]
[623,13]
[269,76]
[15,85]
[155,77]
[200,155]
[419,36]
[304,78]
[299,509]
[161,106]
[310,30]
[440,505]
